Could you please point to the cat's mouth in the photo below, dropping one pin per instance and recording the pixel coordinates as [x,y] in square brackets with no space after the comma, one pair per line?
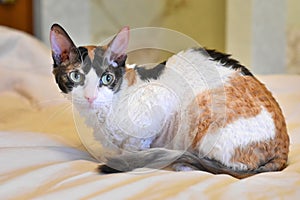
[87,105]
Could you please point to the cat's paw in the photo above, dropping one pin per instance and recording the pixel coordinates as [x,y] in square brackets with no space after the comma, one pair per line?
[105,169]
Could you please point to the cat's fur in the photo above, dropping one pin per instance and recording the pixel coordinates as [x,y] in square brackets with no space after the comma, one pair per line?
[245,136]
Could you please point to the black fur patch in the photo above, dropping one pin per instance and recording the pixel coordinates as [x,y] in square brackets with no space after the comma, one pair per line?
[63,80]
[99,64]
[226,61]
[61,71]
[107,170]
[86,67]
[152,73]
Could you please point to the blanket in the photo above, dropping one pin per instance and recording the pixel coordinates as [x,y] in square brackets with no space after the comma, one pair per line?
[42,157]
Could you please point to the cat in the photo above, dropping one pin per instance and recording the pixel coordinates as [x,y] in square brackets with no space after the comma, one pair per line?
[244,136]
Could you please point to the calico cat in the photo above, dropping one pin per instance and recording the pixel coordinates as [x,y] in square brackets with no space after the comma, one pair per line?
[245,136]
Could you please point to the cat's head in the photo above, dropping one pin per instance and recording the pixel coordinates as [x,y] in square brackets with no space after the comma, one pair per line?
[89,74]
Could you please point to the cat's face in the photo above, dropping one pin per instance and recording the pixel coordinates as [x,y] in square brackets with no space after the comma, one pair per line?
[90,75]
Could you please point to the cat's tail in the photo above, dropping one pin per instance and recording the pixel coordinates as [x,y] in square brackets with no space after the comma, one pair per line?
[158,158]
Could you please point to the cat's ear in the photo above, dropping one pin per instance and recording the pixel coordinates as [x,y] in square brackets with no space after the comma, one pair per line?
[63,48]
[118,45]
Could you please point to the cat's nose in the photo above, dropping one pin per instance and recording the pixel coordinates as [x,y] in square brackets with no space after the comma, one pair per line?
[90,99]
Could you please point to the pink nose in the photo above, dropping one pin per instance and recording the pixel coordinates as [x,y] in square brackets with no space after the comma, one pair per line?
[90,99]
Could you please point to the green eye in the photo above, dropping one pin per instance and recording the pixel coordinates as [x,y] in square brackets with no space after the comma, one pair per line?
[75,76]
[107,79]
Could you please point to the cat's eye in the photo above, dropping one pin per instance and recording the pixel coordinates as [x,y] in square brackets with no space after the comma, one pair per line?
[76,76]
[107,78]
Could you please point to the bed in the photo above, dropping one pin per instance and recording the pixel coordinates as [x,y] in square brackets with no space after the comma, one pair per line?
[42,157]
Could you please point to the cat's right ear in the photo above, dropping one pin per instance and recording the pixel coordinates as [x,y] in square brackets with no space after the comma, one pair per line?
[62,46]
[118,46]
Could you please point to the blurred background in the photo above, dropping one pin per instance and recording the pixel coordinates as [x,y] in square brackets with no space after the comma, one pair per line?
[263,35]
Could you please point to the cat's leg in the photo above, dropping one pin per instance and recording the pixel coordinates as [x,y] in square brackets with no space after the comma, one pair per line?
[158,158]
[155,158]
[107,169]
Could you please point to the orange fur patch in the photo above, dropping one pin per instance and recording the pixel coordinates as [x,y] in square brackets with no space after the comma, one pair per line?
[91,52]
[245,96]
[272,154]
[130,76]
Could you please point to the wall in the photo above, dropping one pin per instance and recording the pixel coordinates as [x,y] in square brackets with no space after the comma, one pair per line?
[238,30]
[256,34]
[95,20]
[293,36]
[269,36]
[265,35]
[72,14]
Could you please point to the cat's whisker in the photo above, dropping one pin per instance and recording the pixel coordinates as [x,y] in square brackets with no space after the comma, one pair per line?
[65,108]
[51,101]
[84,101]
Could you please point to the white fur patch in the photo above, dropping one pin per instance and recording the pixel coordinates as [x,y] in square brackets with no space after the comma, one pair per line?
[220,145]
[183,167]
[140,113]
[130,66]
[205,73]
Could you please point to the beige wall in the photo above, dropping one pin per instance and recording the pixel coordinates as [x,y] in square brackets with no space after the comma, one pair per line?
[293,13]
[226,25]
[95,20]
[293,36]
[238,30]
[244,37]
[203,20]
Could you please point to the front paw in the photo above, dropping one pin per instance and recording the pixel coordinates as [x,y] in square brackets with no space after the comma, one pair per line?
[183,167]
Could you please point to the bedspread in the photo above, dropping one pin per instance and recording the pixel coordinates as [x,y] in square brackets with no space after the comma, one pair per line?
[41,156]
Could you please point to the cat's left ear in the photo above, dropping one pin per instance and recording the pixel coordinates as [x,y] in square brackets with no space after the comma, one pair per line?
[117,47]
[63,48]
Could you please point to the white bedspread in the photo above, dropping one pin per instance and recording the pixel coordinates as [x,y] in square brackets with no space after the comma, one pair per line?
[41,156]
